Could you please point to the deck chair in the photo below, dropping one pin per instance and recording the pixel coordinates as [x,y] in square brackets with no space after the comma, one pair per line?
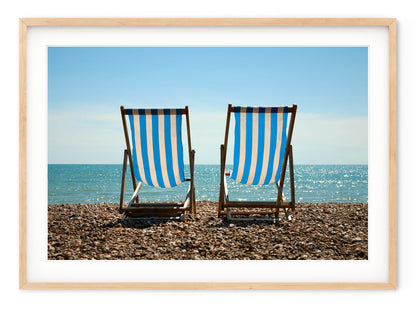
[156,159]
[262,147]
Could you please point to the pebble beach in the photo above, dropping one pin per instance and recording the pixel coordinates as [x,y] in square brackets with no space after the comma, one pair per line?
[318,231]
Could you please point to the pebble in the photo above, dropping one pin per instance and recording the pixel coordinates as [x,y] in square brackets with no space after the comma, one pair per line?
[318,231]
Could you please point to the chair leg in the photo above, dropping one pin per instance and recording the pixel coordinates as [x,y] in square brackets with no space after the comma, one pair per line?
[287,214]
[193,201]
[277,218]
[292,179]
[281,198]
[123,181]
[222,175]
[192,171]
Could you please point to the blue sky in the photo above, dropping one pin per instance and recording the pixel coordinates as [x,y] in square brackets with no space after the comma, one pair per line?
[87,86]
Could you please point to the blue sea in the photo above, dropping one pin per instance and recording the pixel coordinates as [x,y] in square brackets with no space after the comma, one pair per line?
[98,183]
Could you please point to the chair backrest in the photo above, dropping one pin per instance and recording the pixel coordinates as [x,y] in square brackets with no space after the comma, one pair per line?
[157,153]
[260,143]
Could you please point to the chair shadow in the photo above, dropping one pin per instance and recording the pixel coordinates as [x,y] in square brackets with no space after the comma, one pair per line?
[137,223]
[225,223]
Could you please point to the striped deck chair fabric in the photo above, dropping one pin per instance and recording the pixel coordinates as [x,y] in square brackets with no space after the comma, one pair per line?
[157,151]
[259,144]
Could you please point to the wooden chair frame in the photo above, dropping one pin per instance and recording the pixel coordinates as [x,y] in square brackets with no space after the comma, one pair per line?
[155,210]
[225,206]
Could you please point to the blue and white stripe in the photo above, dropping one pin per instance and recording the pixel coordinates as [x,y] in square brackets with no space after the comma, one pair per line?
[259,144]
[157,146]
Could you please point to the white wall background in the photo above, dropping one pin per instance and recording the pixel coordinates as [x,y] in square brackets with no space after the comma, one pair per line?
[12,298]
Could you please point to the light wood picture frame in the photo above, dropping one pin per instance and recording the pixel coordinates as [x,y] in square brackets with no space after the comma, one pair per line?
[27,23]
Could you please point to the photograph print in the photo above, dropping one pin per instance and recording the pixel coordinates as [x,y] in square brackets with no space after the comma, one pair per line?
[208,153]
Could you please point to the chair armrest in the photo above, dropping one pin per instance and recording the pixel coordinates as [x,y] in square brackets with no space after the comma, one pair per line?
[135,194]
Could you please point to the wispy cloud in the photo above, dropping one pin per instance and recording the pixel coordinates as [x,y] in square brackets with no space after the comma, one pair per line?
[97,136]
[321,138]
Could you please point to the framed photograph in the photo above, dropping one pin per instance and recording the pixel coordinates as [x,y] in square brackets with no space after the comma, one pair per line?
[207,153]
